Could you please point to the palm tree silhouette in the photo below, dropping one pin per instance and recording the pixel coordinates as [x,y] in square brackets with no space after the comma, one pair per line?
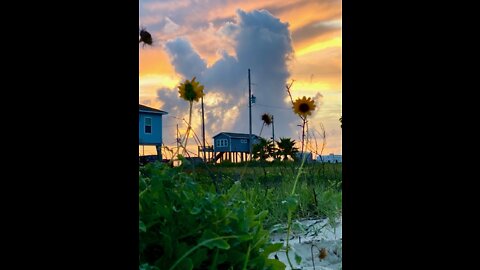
[267,121]
[263,149]
[286,147]
[145,37]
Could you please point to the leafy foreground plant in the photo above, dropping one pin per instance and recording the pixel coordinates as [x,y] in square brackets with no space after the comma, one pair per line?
[183,226]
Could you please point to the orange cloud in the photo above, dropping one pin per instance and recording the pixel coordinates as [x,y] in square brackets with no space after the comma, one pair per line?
[318,46]
[306,12]
[166,5]
[228,9]
[154,60]
[316,67]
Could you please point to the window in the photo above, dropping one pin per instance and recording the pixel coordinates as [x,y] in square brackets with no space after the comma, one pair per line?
[222,142]
[148,125]
[243,141]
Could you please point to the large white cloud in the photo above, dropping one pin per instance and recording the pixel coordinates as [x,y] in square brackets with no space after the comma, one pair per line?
[263,44]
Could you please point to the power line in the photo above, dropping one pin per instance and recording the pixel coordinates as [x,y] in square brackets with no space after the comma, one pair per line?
[269,106]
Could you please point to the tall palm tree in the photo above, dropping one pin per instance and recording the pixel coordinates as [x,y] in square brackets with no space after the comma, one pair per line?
[267,121]
[145,37]
[286,147]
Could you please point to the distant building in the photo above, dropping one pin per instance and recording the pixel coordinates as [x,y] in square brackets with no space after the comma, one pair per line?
[330,158]
[308,156]
[229,145]
[150,127]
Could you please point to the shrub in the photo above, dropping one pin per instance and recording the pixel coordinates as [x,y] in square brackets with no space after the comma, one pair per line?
[184,226]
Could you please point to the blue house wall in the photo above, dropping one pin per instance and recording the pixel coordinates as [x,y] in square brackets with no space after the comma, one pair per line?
[238,146]
[234,144]
[155,137]
[218,148]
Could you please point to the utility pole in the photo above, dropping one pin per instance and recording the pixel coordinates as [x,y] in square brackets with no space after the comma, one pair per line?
[273,129]
[178,141]
[203,132]
[250,114]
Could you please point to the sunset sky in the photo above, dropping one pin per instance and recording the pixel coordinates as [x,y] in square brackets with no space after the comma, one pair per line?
[218,41]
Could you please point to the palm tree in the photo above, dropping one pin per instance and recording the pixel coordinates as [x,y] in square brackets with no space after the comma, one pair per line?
[263,149]
[145,37]
[267,121]
[286,147]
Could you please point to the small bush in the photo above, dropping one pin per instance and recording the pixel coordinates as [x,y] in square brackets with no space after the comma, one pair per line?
[184,226]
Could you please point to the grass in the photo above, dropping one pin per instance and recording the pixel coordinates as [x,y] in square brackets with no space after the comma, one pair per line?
[268,184]
[287,191]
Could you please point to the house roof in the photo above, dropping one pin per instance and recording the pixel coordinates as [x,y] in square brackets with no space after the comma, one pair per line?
[143,108]
[236,135]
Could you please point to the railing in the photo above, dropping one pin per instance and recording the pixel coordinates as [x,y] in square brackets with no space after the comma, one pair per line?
[207,148]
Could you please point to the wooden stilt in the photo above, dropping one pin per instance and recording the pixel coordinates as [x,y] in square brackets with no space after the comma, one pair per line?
[159,152]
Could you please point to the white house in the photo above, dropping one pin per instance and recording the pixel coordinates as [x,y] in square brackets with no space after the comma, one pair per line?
[308,156]
[330,158]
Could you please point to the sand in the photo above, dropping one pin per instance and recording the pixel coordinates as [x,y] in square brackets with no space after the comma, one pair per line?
[311,235]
